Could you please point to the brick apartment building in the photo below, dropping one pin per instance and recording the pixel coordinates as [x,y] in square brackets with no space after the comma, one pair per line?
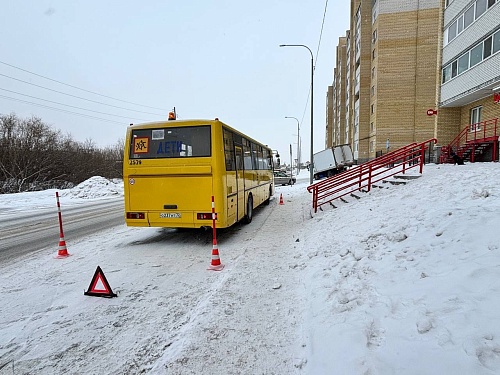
[336,99]
[401,58]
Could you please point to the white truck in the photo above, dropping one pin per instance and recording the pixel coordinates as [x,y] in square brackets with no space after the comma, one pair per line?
[332,161]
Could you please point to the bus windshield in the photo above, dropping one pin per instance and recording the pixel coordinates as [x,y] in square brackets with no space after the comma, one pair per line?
[171,142]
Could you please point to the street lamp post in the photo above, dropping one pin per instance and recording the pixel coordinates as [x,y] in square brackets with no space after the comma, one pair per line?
[298,142]
[311,165]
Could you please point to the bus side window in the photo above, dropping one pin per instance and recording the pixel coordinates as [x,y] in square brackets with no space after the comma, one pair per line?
[260,158]
[239,162]
[267,159]
[255,157]
[229,151]
[247,155]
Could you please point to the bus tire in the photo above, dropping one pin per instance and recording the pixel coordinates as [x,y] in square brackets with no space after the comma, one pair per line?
[249,215]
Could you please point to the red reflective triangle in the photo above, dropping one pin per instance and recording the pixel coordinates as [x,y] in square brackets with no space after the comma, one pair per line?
[99,286]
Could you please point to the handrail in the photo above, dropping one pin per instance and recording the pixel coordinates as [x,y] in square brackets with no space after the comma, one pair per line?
[366,174]
[468,136]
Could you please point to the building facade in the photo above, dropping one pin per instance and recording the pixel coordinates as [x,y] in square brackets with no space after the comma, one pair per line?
[470,68]
[404,58]
[336,100]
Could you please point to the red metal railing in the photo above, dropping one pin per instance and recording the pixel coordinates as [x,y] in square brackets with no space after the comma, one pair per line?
[366,174]
[468,138]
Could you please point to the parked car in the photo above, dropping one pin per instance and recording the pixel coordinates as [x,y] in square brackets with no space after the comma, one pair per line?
[283,178]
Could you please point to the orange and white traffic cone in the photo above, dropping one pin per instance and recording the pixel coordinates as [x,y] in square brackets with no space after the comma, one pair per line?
[281,199]
[215,265]
[63,251]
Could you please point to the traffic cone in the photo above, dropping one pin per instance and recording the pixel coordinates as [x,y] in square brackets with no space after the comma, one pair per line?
[63,251]
[215,265]
[281,199]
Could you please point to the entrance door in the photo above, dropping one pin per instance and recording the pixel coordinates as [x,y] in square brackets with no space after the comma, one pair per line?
[240,182]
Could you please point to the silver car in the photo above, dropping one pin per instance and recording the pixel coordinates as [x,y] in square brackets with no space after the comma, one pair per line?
[283,178]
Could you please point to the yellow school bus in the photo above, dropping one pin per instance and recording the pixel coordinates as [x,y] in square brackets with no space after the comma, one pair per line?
[171,170]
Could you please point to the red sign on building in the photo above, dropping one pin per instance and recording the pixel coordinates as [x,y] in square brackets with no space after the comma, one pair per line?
[496,97]
[431,112]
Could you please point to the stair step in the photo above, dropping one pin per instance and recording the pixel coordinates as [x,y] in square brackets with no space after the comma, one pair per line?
[394,182]
[407,176]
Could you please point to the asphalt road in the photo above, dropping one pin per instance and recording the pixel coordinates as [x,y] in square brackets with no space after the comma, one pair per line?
[27,232]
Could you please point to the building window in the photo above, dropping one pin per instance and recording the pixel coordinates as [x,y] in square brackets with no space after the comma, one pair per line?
[496,42]
[373,90]
[475,119]
[469,16]
[487,47]
[447,73]
[480,7]
[372,108]
[463,63]
[374,36]
[372,127]
[373,72]
[373,54]
[460,24]
[476,55]
[454,69]
[372,146]
[452,31]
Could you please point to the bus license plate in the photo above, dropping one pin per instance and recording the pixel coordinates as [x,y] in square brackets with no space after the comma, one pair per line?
[170,215]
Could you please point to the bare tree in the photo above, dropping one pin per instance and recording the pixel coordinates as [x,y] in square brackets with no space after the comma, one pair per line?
[34,157]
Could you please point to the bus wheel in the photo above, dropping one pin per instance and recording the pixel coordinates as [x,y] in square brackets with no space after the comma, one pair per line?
[249,215]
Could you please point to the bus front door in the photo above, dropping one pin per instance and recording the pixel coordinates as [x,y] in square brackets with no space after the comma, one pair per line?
[240,183]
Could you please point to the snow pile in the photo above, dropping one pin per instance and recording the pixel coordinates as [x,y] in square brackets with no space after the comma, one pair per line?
[95,187]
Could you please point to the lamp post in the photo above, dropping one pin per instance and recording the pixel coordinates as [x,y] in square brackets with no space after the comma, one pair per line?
[298,142]
[311,165]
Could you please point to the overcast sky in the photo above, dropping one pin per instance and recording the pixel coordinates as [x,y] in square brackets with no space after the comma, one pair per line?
[208,59]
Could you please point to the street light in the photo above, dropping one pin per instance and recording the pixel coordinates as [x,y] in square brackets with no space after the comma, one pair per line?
[311,166]
[298,142]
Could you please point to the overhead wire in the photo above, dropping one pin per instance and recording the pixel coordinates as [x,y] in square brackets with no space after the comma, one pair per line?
[61,110]
[79,88]
[72,106]
[79,97]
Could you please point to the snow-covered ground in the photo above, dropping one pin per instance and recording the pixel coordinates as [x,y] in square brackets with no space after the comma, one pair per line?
[405,280]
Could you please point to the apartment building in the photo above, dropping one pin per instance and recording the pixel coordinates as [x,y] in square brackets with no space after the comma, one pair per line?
[414,70]
[470,75]
[392,74]
[330,99]
[336,100]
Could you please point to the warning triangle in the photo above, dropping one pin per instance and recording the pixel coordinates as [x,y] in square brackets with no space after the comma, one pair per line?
[99,286]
